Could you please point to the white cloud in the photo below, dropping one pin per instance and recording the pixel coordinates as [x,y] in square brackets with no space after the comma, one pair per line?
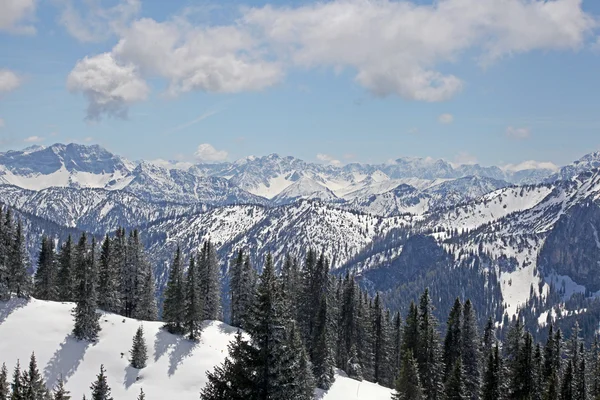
[13,13]
[331,160]
[2,123]
[446,119]
[531,164]
[518,133]
[464,158]
[184,165]
[88,21]
[109,86]
[8,80]
[206,152]
[34,139]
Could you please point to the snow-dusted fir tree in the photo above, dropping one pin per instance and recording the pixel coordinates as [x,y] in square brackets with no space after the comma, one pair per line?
[17,387]
[45,280]
[322,353]
[193,301]
[455,383]
[471,351]
[100,388]
[210,278]
[142,395]
[235,287]
[34,387]
[247,293]
[19,280]
[87,323]
[65,280]
[408,385]
[146,308]
[109,295]
[174,296]
[382,349]
[297,376]
[60,392]
[139,350]
[4,385]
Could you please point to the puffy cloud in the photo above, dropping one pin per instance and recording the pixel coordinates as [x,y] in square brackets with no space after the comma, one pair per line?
[446,119]
[531,164]
[206,152]
[223,59]
[518,133]
[90,22]
[8,80]
[109,86]
[33,139]
[13,13]
[331,160]
[464,158]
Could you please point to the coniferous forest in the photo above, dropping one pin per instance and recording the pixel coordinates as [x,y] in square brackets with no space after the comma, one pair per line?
[297,325]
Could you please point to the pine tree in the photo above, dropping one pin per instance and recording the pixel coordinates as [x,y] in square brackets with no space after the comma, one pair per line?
[100,388]
[87,325]
[489,339]
[174,303]
[408,385]
[247,296]
[453,346]
[471,354]
[492,386]
[65,277]
[566,389]
[382,348]
[17,387]
[236,378]
[323,358]
[235,287]
[142,395]
[210,288]
[60,392]
[455,384]
[300,382]
[45,287]
[396,345]
[109,294]
[193,302]
[290,280]
[595,369]
[428,353]
[34,387]
[4,385]
[139,350]
[353,366]
[410,337]
[146,308]
[19,281]
[4,277]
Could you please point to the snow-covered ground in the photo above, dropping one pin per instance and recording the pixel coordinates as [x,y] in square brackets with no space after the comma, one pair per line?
[176,367]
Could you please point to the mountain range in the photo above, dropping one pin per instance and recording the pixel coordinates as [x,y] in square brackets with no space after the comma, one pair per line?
[521,242]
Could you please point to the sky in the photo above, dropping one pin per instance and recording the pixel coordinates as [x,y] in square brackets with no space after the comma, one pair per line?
[498,82]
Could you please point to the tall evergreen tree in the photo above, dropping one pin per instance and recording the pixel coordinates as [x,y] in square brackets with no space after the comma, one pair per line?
[60,392]
[471,354]
[210,278]
[34,387]
[17,386]
[66,283]
[455,384]
[235,287]
[142,395]
[428,353]
[492,386]
[566,389]
[87,319]
[396,345]
[193,301]
[19,281]
[139,350]
[109,293]
[453,347]
[100,388]
[247,296]
[45,280]
[323,357]
[408,385]
[300,382]
[382,348]
[4,385]
[174,302]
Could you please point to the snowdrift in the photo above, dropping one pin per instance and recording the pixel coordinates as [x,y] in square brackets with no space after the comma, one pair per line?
[176,366]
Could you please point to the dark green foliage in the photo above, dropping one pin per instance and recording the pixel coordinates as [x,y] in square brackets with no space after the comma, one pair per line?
[142,395]
[87,319]
[453,342]
[174,304]
[455,384]
[193,302]
[139,350]
[17,386]
[322,358]
[45,280]
[492,377]
[66,283]
[109,295]
[34,387]
[100,388]
[60,392]
[408,385]
[19,281]
[4,385]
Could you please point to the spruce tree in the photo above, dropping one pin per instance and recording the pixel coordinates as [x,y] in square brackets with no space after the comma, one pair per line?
[453,347]
[109,294]
[566,389]
[139,350]
[471,353]
[34,387]
[19,281]
[174,302]
[298,382]
[45,279]
[146,308]
[455,384]
[428,353]
[247,296]
[60,392]
[353,366]
[65,272]
[193,302]
[235,287]
[87,325]
[492,385]
[210,287]
[100,388]
[142,395]
[4,385]
[17,386]
[396,345]
[382,349]
[323,358]
[408,385]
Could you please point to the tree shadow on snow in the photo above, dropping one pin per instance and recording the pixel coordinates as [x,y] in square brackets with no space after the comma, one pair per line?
[10,306]
[132,375]
[178,347]
[223,327]
[65,360]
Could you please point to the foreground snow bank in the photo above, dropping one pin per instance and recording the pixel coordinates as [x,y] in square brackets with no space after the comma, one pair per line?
[176,367]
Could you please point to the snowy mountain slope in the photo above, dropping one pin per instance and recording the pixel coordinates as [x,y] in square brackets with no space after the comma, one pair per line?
[176,367]
[304,189]
[94,210]
[585,163]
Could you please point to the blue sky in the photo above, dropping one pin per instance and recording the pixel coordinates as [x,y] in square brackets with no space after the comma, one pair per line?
[488,81]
